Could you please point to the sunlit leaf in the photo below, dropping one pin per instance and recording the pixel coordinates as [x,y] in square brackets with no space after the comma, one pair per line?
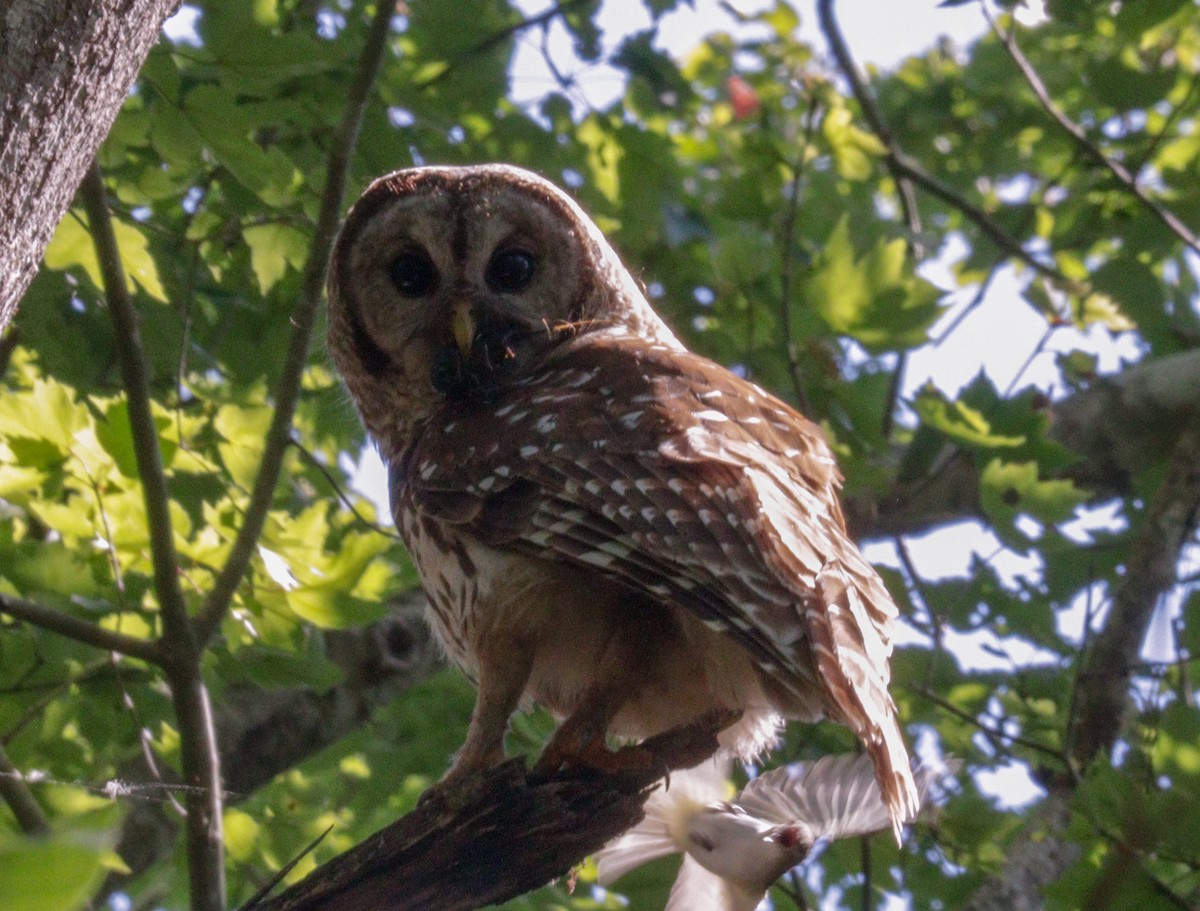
[959,421]
[1010,488]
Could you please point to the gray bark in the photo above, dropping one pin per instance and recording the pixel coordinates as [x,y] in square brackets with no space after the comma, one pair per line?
[65,68]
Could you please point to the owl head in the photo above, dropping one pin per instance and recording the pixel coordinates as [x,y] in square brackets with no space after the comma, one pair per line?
[449,283]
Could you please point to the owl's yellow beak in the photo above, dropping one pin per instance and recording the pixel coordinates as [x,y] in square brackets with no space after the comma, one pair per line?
[463,328]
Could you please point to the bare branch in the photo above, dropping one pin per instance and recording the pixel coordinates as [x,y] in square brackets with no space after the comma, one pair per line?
[263,732]
[786,240]
[505,834]
[30,816]
[495,40]
[287,391]
[1076,132]
[81,630]
[866,101]
[177,631]
[905,168]
[179,649]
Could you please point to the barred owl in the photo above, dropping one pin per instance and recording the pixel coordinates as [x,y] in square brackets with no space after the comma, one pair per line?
[604,523]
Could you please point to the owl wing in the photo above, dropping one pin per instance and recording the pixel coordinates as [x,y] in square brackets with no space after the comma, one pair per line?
[672,475]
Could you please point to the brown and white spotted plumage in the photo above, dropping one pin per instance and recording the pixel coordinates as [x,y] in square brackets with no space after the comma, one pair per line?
[604,522]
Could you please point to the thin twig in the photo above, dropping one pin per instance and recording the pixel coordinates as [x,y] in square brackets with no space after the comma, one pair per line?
[341,494]
[495,40]
[287,392]
[996,736]
[904,181]
[29,814]
[135,376]
[81,630]
[786,240]
[982,220]
[179,648]
[1077,133]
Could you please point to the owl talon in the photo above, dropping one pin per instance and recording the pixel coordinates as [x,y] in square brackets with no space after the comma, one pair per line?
[594,756]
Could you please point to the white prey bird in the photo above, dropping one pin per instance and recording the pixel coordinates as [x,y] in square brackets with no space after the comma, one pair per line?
[735,849]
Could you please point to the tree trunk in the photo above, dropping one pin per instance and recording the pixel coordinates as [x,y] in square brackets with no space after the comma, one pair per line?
[65,68]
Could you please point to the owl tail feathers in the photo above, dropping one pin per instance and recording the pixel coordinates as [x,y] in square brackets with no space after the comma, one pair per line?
[669,811]
[852,657]
[894,774]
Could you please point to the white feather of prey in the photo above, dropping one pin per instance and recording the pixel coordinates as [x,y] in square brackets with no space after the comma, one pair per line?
[736,845]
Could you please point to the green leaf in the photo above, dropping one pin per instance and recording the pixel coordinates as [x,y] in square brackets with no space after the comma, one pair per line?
[1176,748]
[136,259]
[244,430]
[47,412]
[332,609]
[58,874]
[242,835]
[72,246]
[959,421]
[274,247]
[1008,489]
[876,299]
[1129,287]
[854,149]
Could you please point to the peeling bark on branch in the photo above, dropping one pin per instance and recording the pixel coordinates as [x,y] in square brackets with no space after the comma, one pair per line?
[65,68]
[506,833]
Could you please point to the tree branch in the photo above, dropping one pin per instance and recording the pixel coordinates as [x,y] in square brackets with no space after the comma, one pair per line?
[1122,423]
[28,812]
[1076,132]
[866,101]
[263,732]
[287,392]
[179,647]
[905,168]
[1150,571]
[1118,426]
[81,630]
[495,40]
[506,833]
[135,377]
[786,259]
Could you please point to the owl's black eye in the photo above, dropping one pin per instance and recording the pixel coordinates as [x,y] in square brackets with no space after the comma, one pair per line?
[510,270]
[413,274]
